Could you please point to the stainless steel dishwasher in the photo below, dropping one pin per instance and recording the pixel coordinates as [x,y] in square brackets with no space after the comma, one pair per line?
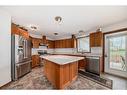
[93,65]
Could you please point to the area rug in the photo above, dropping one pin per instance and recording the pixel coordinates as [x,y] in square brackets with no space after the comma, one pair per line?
[99,79]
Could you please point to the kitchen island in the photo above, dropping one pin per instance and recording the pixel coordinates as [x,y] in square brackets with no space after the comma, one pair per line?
[61,70]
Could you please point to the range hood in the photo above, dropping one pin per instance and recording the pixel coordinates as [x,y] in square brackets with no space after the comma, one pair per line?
[41,44]
[43,41]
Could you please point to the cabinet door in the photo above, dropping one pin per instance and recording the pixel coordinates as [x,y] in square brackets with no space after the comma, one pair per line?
[82,64]
[98,39]
[50,44]
[68,44]
[73,43]
[24,33]
[57,44]
[92,39]
[35,60]
[64,43]
[15,29]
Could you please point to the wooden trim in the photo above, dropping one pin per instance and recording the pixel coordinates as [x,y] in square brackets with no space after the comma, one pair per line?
[83,36]
[115,75]
[115,31]
[103,47]
[6,84]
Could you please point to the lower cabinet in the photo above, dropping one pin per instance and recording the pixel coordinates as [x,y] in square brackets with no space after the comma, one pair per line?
[35,60]
[60,75]
[82,64]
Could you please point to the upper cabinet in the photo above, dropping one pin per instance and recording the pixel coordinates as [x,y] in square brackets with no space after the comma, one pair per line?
[96,39]
[37,41]
[65,43]
[18,31]
[51,44]
[15,29]
[73,42]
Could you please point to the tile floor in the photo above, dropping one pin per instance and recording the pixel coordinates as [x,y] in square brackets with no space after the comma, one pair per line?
[118,82]
[37,80]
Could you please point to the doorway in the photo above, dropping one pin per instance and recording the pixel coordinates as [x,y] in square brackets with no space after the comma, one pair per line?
[116,53]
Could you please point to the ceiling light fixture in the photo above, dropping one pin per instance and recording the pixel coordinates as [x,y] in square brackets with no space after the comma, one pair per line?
[81,31]
[33,27]
[58,19]
[55,33]
[99,29]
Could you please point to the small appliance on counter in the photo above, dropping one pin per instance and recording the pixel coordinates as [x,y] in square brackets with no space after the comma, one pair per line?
[20,56]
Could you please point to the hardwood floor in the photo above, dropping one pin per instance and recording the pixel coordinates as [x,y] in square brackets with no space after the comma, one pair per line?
[119,83]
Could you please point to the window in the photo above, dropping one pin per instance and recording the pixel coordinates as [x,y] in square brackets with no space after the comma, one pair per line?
[83,44]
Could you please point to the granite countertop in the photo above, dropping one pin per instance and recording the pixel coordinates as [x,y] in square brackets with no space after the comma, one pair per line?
[62,59]
[79,54]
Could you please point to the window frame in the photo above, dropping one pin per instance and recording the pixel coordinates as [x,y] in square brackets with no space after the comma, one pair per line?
[89,44]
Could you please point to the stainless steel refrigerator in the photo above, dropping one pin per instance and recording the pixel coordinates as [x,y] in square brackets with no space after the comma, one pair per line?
[20,56]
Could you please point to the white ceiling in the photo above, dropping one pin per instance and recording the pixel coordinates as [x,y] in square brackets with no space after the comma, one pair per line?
[74,18]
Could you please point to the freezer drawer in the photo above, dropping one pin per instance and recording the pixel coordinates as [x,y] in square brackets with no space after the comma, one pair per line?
[23,68]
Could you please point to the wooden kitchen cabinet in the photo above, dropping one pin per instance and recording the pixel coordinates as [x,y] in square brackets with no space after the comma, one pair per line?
[74,43]
[65,43]
[35,60]
[18,31]
[68,43]
[96,39]
[60,75]
[56,43]
[82,64]
[92,38]
[99,39]
[51,44]
[14,29]
[24,34]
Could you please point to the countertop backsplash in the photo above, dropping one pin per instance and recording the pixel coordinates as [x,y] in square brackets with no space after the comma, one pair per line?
[65,50]
[94,51]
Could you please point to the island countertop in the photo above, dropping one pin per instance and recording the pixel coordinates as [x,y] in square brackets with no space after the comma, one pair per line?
[62,59]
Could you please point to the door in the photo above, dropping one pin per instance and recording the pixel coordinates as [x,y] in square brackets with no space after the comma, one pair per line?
[116,53]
